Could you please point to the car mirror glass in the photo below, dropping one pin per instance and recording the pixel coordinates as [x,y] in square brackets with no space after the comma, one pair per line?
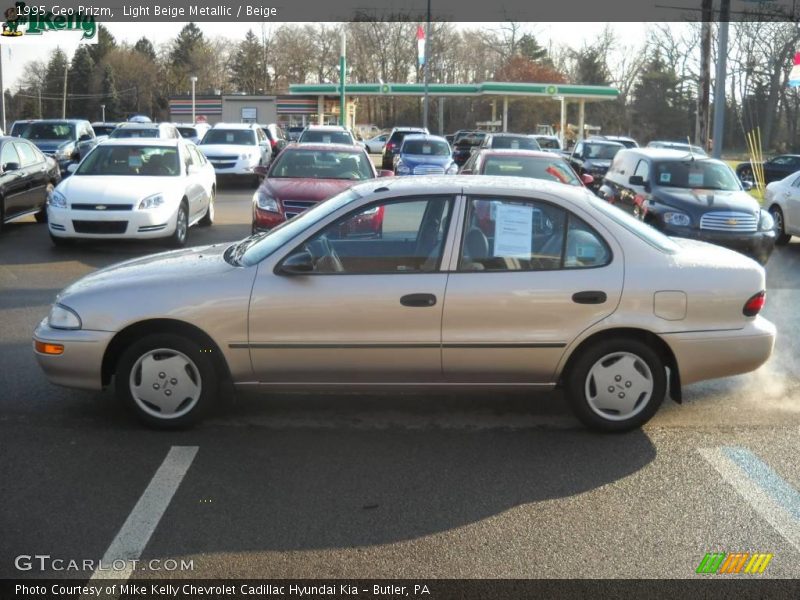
[10,166]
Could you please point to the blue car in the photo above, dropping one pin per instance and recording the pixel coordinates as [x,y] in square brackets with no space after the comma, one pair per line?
[66,140]
[425,155]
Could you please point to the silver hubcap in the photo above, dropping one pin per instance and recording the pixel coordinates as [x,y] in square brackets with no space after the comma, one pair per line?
[211,207]
[180,227]
[619,386]
[778,218]
[165,383]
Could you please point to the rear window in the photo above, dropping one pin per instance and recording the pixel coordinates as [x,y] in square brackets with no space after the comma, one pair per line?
[326,137]
[235,137]
[399,136]
[426,147]
[515,143]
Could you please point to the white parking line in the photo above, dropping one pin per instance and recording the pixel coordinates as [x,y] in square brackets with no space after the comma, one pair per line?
[769,495]
[132,538]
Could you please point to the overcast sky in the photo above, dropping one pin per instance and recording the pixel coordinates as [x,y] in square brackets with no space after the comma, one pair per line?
[572,34]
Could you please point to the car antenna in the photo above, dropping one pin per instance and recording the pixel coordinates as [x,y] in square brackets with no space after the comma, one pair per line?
[689,143]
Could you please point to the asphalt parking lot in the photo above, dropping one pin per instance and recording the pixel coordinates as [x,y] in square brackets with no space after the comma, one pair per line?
[447,486]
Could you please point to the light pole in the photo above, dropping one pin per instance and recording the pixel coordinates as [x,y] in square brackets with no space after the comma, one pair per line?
[426,69]
[342,80]
[193,79]
[103,108]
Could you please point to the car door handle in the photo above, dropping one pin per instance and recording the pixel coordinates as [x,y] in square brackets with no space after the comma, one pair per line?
[589,297]
[418,300]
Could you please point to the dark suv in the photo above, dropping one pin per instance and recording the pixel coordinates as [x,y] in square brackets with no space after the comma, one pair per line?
[66,140]
[509,141]
[691,197]
[593,157]
[394,142]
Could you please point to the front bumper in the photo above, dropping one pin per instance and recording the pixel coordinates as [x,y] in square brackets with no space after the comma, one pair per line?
[238,168]
[705,355]
[758,244]
[80,365]
[112,224]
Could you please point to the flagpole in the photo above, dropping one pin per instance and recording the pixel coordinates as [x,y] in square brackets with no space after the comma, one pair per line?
[426,70]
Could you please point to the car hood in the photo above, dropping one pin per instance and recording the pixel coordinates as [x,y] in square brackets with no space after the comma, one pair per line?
[305,189]
[226,149]
[165,267]
[700,200]
[115,189]
[50,146]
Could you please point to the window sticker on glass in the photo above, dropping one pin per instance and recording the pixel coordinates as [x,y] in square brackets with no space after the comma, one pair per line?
[229,138]
[512,230]
[586,252]
[134,161]
[326,139]
[664,177]
[695,179]
[426,148]
[515,144]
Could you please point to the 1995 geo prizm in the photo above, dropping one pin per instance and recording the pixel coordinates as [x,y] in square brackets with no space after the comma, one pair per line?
[495,282]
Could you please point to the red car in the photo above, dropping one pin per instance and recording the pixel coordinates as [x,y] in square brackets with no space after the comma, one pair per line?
[306,174]
[520,163]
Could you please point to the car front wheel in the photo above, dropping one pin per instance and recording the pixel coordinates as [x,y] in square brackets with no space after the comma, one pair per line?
[208,218]
[616,385]
[781,237]
[178,237]
[167,380]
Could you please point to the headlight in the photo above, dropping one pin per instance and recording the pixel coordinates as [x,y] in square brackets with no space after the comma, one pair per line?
[265,202]
[248,156]
[452,169]
[402,169]
[677,219]
[766,222]
[62,317]
[153,201]
[57,200]
[65,152]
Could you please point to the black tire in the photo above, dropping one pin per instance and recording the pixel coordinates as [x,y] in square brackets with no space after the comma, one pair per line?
[201,373]
[181,233]
[208,218]
[41,216]
[578,382]
[781,237]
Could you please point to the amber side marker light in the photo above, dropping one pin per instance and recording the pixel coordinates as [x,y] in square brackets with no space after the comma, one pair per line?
[45,348]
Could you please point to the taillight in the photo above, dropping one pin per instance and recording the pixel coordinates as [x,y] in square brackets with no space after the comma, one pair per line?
[754,305]
[389,146]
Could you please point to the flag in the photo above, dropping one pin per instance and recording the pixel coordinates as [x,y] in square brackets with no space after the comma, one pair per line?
[421,44]
[794,74]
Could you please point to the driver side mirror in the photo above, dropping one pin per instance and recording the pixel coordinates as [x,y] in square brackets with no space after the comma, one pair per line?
[10,166]
[85,138]
[587,179]
[299,263]
[280,145]
[747,185]
[385,173]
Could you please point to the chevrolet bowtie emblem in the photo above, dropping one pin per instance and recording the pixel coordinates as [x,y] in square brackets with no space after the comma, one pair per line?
[732,221]
[101,207]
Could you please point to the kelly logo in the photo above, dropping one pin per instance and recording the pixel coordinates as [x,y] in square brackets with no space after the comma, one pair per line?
[39,21]
[736,562]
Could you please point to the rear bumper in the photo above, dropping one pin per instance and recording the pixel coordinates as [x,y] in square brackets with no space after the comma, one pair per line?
[80,365]
[710,354]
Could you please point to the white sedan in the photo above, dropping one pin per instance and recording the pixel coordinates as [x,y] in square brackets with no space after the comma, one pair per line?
[134,188]
[782,199]
[376,144]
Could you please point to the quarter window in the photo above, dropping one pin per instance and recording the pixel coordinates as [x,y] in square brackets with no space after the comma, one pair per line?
[643,169]
[390,237]
[8,155]
[522,235]
[26,153]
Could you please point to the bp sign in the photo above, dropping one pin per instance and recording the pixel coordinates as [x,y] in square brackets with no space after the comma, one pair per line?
[551,89]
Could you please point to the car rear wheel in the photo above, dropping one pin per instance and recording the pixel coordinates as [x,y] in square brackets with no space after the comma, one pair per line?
[178,237]
[781,237]
[616,385]
[208,218]
[167,380]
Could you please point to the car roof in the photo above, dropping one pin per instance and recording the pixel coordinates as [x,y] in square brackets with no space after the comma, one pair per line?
[666,154]
[352,148]
[494,185]
[603,141]
[424,136]
[58,121]
[135,125]
[234,126]
[326,128]
[142,142]
[518,152]
[420,129]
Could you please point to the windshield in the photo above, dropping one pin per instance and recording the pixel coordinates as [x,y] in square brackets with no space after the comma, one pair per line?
[549,143]
[49,131]
[702,174]
[134,132]
[150,161]
[638,228]
[234,137]
[256,248]
[326,137]
[103,129]
[515,143]
[321,164]
[426,147]
[472,139]
[549,169]
[187,132]
[601,151]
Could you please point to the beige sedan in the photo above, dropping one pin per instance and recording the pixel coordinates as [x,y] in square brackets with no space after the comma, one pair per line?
[472,282]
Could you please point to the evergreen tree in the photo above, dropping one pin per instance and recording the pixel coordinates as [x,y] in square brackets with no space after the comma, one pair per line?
[145,47]
[80,81]
[53,91]
[530,48]
[110,95]
[105,42]
[658,107]
[246,65]
[189,40]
